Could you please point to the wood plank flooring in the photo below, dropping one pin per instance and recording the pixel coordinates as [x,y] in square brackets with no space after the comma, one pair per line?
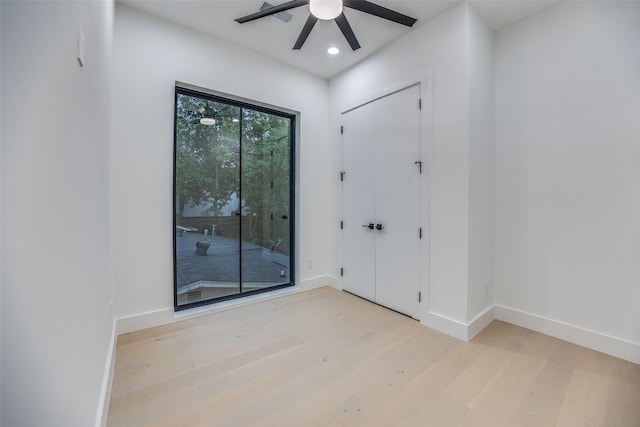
[328,358]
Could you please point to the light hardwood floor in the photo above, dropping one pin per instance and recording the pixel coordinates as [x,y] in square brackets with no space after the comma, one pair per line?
[328,358]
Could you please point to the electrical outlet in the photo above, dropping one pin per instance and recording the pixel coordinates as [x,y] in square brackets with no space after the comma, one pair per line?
[309,263]
[486,289]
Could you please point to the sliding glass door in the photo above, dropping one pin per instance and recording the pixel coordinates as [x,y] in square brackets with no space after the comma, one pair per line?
[233,198]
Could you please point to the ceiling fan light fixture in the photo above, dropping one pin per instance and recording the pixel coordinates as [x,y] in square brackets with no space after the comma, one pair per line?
[325,9]
[333,50]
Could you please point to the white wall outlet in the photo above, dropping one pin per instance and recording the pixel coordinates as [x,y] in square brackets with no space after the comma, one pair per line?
[486,289]
[309,263]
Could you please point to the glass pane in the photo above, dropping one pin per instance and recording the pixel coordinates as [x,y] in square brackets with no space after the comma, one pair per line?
[266,170]
[207,187]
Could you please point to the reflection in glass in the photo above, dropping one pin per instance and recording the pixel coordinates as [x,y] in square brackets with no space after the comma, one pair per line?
[265,192]
[232,199]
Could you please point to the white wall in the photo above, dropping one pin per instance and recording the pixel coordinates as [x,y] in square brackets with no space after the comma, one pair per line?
[568,173]
[0,220]
[150,54]
[56,288]
[482,182]
[438,49]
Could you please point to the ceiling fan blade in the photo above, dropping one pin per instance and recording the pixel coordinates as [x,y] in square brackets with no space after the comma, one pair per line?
[344,26]
[272,10]
[379,11]
[308,26]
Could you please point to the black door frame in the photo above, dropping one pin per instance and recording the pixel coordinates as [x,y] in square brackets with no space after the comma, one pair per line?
[180,90]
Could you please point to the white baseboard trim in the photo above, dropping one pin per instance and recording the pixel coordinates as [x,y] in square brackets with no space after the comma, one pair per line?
[445,325]
[591,339]
[480,322]
[144,320]
[462,331]
[167,315]
[317,282]
[107,381]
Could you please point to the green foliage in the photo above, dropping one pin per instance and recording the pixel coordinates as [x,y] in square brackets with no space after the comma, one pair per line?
[206,156]
[208,165]
[265,175]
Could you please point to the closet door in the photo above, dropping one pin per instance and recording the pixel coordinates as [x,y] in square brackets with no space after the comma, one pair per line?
[358,202]
[397,181]
[381,145]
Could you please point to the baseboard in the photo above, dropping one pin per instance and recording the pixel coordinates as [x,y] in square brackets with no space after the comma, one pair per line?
[461,330]
[164,316]
[107,380]
[480,322]
[445,325]
[591,339]
[317,282]
[140,321]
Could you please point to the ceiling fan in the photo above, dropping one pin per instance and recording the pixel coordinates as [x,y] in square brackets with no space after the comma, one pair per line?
[328,10]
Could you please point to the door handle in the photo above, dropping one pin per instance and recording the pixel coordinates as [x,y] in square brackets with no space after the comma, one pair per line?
[369,226]
[379,227]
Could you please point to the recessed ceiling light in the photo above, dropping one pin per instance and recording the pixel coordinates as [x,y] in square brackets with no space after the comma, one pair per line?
[333,50]
[207,121]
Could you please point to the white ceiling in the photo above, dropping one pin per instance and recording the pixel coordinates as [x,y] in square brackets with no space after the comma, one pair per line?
[274,38]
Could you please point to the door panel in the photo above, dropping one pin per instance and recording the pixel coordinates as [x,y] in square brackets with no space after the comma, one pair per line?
[233,195]
[358,195]
[266,160]
[207,176]
[381,145]
[398,201]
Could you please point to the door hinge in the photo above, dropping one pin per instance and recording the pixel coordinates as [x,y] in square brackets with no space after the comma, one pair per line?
[419,163]
[341,271]
[341,225]
[342,175]
[341,130]
[419,296]
[420,234]
[419,103]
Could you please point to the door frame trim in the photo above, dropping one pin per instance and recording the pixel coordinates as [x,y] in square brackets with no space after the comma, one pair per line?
[294,118]
[425,79]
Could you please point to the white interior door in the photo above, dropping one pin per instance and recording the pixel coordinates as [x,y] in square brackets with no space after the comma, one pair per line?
[358,195]
[398,201]
[381,145]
